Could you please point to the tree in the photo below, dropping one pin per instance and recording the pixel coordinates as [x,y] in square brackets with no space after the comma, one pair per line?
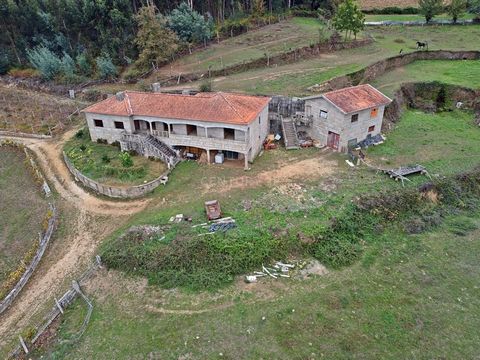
[474,7]
[45,61]
[189,25]
[157,44]
[456,9]
[105,67]
[349,18]
[430,8]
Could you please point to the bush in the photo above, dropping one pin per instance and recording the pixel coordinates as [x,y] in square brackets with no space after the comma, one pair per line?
[79,134]
[23,73]
[45,61]
[125,159]
[393,10]
[105,68]
[206,86]
[106,159]
[83,64]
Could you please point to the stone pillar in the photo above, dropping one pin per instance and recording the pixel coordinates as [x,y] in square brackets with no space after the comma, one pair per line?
[206,132]
[246,161]
[208,156]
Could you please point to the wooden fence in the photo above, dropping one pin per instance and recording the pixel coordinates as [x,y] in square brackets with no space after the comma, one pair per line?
[58,309]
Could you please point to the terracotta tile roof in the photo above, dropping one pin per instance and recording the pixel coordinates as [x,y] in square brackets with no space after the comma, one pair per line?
[357,98]
[213,107]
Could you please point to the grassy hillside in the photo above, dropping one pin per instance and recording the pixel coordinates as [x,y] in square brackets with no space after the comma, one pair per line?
[411,294]
[463,73]
[271,39]
[22,211]
[294,79]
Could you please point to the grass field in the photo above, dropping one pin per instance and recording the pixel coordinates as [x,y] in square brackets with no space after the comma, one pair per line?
[410,297]
[32,112]
[294,79]
[271,39]
[102,162]
[463,73]
[380,4]
[393,301]
[413,17]
[22,211]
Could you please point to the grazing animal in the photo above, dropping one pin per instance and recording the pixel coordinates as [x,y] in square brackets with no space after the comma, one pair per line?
[422,45]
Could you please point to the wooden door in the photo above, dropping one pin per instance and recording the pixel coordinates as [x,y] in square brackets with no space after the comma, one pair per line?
[333,140]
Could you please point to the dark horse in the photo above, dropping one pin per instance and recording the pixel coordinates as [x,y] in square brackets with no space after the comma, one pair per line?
[422,45]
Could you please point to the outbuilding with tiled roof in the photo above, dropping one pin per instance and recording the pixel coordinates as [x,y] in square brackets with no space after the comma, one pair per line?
[342,118]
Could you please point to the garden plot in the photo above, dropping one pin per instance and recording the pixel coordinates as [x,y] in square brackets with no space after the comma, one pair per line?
[108,165]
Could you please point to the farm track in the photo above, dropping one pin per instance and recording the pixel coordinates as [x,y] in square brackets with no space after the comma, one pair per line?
[87,220]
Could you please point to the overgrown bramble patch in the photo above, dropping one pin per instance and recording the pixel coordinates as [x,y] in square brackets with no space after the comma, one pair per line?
[208,262]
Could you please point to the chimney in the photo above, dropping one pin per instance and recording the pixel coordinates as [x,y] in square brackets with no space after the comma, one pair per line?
[156,87]
[120,95]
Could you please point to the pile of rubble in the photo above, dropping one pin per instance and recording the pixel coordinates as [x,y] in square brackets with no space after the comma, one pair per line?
[278,270]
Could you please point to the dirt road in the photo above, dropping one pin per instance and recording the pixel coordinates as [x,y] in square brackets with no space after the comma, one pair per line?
[85,219]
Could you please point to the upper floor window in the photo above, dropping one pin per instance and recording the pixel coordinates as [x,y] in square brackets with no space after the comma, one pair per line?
[259,119]
[119,125]
[374,113]
[371,128]
[98,123]
[323,114]
[354,118]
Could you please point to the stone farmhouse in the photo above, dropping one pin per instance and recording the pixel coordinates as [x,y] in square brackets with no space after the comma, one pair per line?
[204,125]
[342,118]
[164,125]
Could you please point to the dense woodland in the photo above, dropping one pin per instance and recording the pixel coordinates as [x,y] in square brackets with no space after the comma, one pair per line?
[107,28]
[74,40]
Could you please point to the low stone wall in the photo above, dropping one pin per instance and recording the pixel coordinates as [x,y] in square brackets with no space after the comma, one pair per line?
[7,301]
[379,68]
[129,192]
[292,56]
[23,135]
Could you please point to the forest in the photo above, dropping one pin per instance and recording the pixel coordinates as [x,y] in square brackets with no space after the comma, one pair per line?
[75,38]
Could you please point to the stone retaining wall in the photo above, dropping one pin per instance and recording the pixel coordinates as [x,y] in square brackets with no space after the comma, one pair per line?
[7,301]
[129,192]
[379,68]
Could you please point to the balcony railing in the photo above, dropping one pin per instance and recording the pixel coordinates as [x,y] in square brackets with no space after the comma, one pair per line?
[207,143]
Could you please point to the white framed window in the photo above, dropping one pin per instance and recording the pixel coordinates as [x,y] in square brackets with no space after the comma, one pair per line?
[323,114]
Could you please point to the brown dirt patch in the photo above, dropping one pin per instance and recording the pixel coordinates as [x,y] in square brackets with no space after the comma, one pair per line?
[311,168]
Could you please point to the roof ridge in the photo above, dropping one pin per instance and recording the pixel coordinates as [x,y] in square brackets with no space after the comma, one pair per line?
[347,88]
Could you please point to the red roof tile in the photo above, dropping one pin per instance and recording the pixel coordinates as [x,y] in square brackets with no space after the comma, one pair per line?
[213,107]
[357,98]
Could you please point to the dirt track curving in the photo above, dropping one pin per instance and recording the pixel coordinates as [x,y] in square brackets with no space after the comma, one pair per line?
[86,220]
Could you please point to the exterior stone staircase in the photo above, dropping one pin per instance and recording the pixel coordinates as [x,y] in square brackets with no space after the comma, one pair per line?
[148,145]
[290,134]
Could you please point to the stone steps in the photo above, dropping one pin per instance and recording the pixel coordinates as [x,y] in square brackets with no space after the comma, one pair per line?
[290,134]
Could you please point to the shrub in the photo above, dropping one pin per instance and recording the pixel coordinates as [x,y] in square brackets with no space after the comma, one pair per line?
[105,159]
[23,73]
[79,134]
[125,159]
[206,86]
[105,68]
[83,64]
[45,61]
